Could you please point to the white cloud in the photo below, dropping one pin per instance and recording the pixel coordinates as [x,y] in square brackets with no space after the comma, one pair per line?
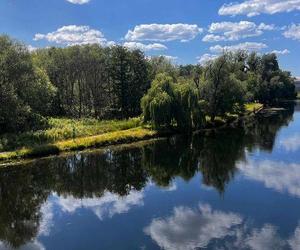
[191,229]
[281,52]
[171,58]
[293,32]
[294,241]
[31,48]
[233,31]
[106,206]
[247,46]
[188,229]
[291,143]
[74,35]
[206,58]
[257,7]
[145,47]
[163,32]
[279,176]
[269,27]
[78,1]
[213,38]
[265,238]
[47,219]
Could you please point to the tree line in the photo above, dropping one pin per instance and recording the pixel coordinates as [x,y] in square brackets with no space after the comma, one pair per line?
[221,87]
[118,83]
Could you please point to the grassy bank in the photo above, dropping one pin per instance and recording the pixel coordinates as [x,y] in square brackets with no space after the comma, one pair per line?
[67,135]
[110,138]
[60,129]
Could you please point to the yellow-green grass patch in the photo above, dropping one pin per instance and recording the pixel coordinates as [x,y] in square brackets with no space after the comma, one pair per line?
[111,138]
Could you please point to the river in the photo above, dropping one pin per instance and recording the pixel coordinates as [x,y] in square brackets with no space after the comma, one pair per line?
[236,189]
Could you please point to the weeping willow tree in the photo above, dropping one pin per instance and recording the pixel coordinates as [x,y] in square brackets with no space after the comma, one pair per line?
[170,104]
[158,104]
[189,113]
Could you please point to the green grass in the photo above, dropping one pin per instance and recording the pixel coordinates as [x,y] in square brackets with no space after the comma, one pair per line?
[64,129]
[253,107]
[70,134]
[229,117]
[110,138]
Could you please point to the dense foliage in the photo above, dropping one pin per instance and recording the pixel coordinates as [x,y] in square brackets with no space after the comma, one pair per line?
[167,102]
[220,88]
[91,81]
[25,89]
[94,81]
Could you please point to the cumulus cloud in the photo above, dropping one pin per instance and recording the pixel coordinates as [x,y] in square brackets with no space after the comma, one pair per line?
[265,238]
[233,31]
[145,47]
[191,229]
[47,219]
[247,46]
[257,7]
[294,241]
[281,52]
[205,228]
[163,32]
[106,206]
[269,27]
[74,35]
[78,1]
[291,143]
[293,32]
[171,58]
[279,176]
[206,58]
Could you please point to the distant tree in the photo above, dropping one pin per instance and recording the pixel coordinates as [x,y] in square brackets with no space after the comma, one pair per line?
[129,78]
[161,64]
[25,90]
[266,82]
[221,90]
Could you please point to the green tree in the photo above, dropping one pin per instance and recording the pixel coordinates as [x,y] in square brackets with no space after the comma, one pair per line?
[168,103]
[25,90]
[221,90]
[158,104]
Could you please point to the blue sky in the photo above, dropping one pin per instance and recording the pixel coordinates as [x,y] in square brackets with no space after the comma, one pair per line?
[186,30]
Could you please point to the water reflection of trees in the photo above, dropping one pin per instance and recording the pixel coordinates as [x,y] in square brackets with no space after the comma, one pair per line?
[24,190]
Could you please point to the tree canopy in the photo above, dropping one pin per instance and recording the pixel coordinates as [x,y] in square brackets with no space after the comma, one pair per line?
[117,83]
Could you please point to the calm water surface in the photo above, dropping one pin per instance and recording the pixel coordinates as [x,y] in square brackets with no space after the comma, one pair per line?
[238,189]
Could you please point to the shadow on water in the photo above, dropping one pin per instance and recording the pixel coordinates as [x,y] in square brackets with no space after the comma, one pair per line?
[23,190]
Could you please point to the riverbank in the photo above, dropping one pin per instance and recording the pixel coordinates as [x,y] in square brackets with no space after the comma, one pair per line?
[68,135]
[110,138]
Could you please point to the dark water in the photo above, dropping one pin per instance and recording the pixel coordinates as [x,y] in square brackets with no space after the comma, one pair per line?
[238,189]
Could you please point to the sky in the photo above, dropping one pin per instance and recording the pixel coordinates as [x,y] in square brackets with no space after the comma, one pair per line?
[186,31]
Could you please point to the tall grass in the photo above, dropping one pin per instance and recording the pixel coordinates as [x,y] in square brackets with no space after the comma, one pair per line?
[116,137]
[63,129]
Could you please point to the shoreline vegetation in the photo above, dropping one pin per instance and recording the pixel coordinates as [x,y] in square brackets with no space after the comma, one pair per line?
[110,133]
[71,98]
